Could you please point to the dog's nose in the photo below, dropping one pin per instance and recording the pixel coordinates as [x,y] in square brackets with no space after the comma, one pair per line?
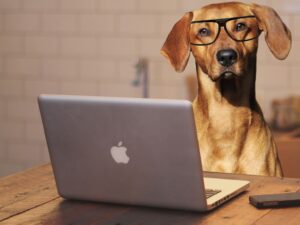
[227,57]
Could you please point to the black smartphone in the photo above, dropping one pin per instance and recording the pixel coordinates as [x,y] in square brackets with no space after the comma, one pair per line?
[275,200]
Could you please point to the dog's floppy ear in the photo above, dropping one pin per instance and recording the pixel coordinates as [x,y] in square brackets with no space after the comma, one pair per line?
[277,34]
[177,46]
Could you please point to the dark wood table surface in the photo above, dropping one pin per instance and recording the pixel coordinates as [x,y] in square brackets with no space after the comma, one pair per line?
[30,197]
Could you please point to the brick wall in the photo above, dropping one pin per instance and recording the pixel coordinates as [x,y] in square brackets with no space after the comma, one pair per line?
[89,47]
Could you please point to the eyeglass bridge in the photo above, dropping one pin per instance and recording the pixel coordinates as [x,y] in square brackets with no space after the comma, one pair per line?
[221,22]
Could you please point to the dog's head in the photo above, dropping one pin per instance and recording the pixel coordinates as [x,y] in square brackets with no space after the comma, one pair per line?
[224,38]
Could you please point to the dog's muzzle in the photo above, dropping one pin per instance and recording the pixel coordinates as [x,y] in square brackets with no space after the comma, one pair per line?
[227,57]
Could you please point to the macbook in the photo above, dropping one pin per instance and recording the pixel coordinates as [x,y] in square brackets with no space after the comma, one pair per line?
[130,151]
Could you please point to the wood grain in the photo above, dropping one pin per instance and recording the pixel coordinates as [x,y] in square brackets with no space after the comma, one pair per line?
[290,216]
[31,198]
[59,211]
[26,190]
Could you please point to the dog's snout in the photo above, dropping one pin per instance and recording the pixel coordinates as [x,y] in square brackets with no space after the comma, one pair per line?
[227,57]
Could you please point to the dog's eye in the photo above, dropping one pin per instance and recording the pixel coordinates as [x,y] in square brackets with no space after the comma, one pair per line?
[240,27]
[204,32]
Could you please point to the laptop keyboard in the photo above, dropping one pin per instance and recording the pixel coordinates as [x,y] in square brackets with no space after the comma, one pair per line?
[211,192]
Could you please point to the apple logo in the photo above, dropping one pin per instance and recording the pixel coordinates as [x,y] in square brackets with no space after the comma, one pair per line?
[119,153]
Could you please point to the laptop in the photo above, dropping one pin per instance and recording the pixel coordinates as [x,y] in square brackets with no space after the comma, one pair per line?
[130,151]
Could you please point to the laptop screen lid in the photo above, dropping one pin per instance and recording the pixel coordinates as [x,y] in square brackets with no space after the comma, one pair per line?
[119,150]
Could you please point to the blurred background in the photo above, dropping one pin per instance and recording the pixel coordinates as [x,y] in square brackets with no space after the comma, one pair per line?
[103,47]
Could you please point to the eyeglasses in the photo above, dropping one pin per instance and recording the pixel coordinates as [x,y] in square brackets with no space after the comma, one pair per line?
[206,32]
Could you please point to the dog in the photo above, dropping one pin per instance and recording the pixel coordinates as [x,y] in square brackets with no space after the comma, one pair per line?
[223,38]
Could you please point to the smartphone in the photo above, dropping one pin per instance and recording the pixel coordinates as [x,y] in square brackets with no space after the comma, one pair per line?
[275,200]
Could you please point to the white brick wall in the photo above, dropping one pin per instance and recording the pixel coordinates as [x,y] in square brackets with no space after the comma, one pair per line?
[79,46]
[34,131]
[78,5]
[295,54]
[22,67]
[164,6]
[97,23]
[3,152]
[90,47]
[119,90]
[54,69]
[295,79]
[2,111]
[80,87]
[58,23]
[118,47]
[272,77]
[22,110]
[41,45]
[129,25]
[21,22]
[10,44]
[19,151]
[9,88]
[166,22]
[40,5]
[10,4]
[288,7]
[12,130]
[121,6]
[34,87]
[98,70]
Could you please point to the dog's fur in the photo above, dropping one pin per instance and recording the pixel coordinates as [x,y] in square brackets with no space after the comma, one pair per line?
[232,133]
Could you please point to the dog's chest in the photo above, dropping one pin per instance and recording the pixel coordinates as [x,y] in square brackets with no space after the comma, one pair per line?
[222,130]
[224,121]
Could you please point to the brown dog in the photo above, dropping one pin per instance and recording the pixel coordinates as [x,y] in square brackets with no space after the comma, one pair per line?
[232,133]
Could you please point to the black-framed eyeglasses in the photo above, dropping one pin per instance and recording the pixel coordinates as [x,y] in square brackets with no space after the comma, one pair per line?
[206,32]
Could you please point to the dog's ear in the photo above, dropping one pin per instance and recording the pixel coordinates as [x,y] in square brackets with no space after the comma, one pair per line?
[277,34]
[177,46]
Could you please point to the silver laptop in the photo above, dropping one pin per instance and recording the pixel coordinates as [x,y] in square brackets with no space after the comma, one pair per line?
[130,151]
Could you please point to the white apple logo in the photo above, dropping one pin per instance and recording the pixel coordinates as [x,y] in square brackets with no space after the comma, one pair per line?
[119,153]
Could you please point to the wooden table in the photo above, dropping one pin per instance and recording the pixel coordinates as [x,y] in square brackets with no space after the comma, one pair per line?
[30,197]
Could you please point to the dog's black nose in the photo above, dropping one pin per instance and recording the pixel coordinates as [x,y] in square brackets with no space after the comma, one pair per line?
[227,57]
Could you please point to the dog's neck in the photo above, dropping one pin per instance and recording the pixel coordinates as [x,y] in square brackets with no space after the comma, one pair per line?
[225,109]
[237,92]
